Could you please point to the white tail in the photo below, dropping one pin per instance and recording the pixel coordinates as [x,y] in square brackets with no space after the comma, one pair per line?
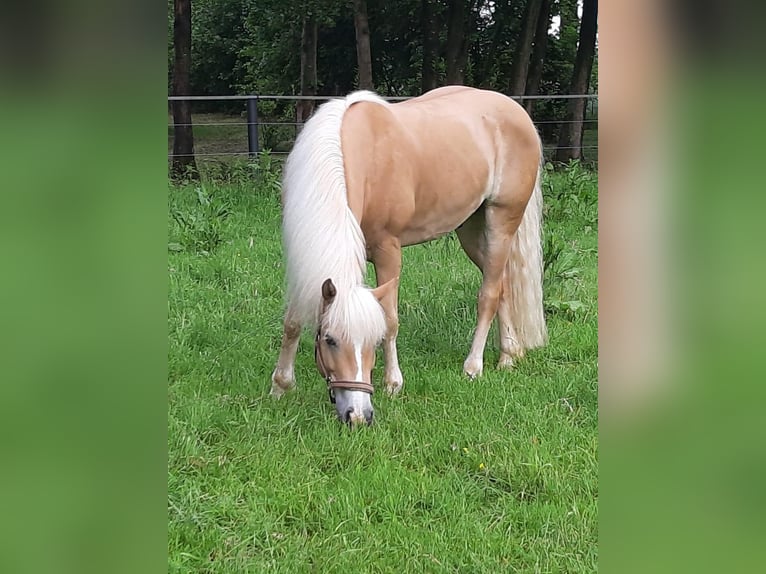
[524,275]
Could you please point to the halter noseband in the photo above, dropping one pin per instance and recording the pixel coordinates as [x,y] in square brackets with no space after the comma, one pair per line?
[331,384]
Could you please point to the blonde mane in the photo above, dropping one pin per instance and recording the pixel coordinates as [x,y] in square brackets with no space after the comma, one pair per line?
[322,238]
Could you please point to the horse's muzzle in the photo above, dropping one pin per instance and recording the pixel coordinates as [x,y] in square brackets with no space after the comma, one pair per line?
[353,419]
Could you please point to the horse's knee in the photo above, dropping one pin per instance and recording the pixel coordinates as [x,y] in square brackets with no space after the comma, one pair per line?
[489,296]
[392,327]
[292,329]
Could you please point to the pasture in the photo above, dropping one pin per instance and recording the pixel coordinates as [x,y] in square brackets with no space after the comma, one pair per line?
[499,474]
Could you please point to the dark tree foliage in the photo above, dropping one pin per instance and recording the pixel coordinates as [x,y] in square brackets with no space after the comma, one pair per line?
[570,140]
[518,83]
[538,55]
[254,46]
[430,23]
[557,68]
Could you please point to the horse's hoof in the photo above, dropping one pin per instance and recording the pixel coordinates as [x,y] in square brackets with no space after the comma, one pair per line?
[280,385]
[393,387]
[472,368]
[505,362]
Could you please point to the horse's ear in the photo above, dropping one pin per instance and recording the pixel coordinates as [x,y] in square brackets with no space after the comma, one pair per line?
[382,292]
[328,291]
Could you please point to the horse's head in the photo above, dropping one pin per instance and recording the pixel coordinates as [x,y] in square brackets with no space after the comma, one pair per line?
[346,360]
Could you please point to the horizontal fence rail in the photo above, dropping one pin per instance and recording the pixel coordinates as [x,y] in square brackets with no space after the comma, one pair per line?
[170,125]
[251,134]
[387,98]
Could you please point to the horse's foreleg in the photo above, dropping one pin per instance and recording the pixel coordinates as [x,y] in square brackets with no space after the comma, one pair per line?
[392,378]
[283,377]
[387,259]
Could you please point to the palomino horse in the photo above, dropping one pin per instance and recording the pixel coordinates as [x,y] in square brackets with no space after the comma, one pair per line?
[365,179]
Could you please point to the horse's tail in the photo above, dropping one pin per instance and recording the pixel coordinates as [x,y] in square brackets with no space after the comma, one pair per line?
[524,274]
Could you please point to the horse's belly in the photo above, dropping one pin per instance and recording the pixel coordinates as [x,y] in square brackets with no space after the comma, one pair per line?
[436,218]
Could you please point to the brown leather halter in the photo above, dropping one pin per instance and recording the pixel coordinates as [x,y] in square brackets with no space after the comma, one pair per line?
[332,384]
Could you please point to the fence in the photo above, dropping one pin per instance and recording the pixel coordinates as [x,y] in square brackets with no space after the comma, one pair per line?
[223,135]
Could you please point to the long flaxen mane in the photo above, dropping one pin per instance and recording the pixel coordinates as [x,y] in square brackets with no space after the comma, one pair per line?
[321,236]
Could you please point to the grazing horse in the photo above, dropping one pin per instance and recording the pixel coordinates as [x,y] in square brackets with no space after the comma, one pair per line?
[366,178]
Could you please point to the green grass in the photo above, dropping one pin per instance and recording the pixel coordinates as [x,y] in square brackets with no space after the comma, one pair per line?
[493,475]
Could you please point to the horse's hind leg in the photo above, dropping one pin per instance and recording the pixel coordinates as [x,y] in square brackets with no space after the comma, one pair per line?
[283,377]
[473,240]
[509,339]
[486,238]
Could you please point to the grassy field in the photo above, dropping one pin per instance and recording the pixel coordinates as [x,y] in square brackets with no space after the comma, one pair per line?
[499,474]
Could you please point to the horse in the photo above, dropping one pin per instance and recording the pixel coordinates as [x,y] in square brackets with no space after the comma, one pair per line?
[367,177]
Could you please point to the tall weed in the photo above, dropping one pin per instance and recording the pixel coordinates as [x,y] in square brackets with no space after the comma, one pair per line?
[199,221]
[263,172]
[571,194]
[570,201]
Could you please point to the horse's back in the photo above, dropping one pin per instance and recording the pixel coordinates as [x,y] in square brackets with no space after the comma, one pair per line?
[419,168]
[491,113]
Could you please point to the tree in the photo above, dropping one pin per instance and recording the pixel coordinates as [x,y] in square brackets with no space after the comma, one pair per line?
[364,59]
[538,54]
[311,47]
[557,69]
[397,38]
[183,164]
[565,44]
[459,27]
[430,25]
[570,138]
[305,108]
[493,45]
[218,35]
[526,36]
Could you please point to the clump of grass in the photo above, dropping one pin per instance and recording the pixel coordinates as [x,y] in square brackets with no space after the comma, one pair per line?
[570,202]
[267,172]
[199,210]
[561,269]
[199,222]
[262,173]
[571,194]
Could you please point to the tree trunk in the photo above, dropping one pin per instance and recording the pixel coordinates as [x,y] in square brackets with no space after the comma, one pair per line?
[430,27]
[571,132]
[363,57]
[183,164]
[584,127]
[520,65]
[456,42]
[304,108]
[568,29]
[538,54]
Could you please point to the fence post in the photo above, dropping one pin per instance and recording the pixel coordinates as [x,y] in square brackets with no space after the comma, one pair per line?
[252,126]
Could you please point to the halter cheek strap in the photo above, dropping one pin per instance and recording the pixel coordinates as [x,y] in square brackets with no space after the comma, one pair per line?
[332,384]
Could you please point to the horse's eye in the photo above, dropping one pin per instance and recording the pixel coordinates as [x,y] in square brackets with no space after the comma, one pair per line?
[330,341]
